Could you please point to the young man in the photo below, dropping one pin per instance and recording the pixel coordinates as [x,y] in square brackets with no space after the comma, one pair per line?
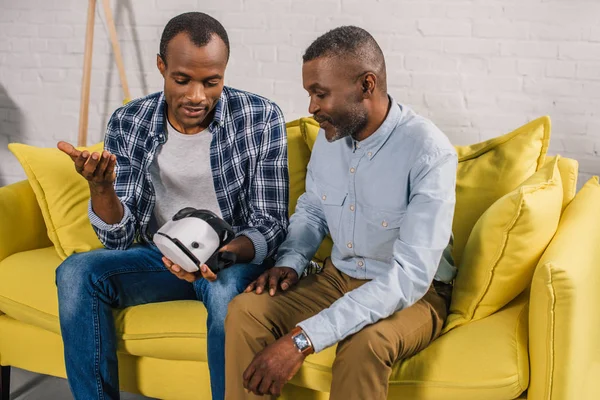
[381,181]
[196,144]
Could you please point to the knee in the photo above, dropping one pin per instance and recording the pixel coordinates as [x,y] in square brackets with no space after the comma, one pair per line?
[74,280]
[74,274]
[367,345]
[216,296]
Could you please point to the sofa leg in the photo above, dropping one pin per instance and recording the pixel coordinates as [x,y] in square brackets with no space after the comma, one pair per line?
[5,383]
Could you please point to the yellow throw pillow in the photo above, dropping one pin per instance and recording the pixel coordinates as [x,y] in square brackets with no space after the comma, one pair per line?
[505,246]
[302,134]
[569,171]
[62,195]
[298,157]
[489,170]
[310,130]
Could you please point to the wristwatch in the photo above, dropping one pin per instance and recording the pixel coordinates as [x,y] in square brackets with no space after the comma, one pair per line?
[301,341]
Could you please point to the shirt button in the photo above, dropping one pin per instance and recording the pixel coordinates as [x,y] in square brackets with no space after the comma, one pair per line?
[349,245]
[352,170]
[384,224]
[324,197]
[369,154]
[352,208]
[358,146]
[360,263]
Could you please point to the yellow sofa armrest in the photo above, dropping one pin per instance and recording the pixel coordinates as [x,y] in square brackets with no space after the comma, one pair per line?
[564,320]
[22,225]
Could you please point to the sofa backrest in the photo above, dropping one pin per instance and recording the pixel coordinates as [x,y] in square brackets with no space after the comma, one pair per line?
[301,135]
[22,226]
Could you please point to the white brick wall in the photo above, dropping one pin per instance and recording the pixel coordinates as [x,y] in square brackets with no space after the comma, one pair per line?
[477,68]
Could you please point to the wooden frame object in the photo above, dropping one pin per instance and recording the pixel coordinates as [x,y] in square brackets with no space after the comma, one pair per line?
[87,65]
[4,383]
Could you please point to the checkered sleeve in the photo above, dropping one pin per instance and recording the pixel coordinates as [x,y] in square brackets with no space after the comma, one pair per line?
[269,193]
[118,236]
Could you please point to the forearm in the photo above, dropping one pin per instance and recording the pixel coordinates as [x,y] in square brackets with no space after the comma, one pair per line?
[301,244]
[106,204]
[242,247]
[373,301]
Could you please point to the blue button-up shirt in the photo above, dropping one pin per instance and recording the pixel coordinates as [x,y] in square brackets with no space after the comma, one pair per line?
[388,203]
[248,156]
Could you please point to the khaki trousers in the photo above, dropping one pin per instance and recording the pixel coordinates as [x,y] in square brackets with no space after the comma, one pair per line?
[363,361]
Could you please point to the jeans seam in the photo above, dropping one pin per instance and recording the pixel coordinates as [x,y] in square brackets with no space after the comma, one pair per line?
[97,322]
[97,347]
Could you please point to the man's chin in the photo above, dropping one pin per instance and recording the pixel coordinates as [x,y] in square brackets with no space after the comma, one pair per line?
[330,135]
[333,135]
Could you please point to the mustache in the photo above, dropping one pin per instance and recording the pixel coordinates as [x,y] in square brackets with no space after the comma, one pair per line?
[320,119]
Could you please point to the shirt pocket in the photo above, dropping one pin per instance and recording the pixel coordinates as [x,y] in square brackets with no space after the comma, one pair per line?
[332,200]
[381,229]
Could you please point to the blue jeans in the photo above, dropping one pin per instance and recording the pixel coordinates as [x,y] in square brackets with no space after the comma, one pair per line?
[91,284]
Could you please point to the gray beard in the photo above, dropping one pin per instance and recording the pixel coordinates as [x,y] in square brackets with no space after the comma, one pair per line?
[351,127]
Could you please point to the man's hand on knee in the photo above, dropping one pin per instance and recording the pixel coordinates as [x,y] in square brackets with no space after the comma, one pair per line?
[283,277]
[273,367]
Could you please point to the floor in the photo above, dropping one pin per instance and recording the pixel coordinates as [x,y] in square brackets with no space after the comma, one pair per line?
[27,385]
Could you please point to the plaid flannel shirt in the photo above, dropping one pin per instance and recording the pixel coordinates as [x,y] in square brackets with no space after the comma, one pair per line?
[248,155]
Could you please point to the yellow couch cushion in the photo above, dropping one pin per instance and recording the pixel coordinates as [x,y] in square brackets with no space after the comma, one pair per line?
[302,134]
[505,245]
[489,170]
[564,319]
[27,287]
[486,359]
[174,330]
[569,170]
[62,195]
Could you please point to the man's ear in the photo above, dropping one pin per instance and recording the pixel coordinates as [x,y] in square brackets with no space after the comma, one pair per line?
[369,83]
[160,64]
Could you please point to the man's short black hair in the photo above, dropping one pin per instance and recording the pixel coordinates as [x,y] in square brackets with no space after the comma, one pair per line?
[342,41]
[198,26]
[354,43]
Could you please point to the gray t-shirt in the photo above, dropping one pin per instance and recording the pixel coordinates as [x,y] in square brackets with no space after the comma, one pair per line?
[182,176]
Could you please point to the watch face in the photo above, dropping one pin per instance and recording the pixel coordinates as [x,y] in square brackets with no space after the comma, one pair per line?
[301,341]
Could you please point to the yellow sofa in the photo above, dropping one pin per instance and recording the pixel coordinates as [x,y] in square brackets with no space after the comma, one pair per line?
[543,345]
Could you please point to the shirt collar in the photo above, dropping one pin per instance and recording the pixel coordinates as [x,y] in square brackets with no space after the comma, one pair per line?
[158,119]
[375,142]
[221,108]
[157,125]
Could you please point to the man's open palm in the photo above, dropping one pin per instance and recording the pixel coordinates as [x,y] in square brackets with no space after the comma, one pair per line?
[97,168]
